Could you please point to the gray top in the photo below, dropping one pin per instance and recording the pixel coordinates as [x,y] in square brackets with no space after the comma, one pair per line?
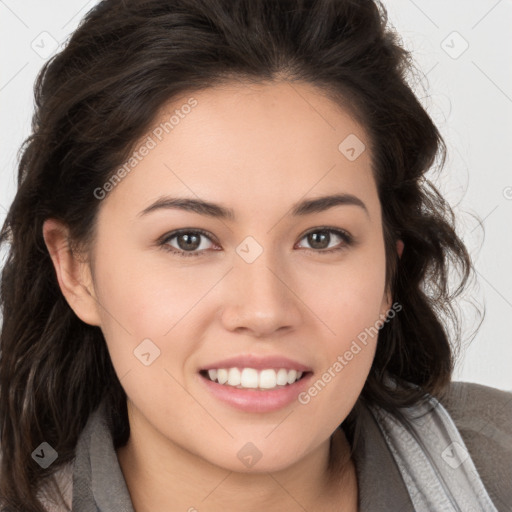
[483,416]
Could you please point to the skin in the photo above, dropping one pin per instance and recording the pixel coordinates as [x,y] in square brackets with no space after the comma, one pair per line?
[257,149]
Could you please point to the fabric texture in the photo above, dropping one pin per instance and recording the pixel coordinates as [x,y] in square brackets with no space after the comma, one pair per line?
[434,461]
[457,457]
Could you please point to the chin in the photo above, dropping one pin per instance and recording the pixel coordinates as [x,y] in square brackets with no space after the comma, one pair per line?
[258,457]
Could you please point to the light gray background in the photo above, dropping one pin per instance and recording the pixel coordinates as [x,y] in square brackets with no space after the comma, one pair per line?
[467,91]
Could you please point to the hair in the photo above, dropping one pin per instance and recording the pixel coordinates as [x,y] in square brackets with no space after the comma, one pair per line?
[98,96]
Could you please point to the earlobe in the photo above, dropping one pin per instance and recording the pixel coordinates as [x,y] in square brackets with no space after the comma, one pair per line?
[73,275]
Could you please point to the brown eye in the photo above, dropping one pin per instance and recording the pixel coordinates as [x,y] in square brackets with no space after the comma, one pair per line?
[186,242]
[320,239]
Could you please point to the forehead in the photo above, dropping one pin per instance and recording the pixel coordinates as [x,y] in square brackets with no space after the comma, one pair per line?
[250,144]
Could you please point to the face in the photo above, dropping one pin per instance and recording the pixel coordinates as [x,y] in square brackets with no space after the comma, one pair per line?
[270,287]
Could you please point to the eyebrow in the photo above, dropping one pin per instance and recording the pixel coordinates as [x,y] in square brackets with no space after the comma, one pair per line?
[302,208]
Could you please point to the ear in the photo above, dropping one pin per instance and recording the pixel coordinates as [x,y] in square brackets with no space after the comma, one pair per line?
[73,274]
[399,247]
[387,301]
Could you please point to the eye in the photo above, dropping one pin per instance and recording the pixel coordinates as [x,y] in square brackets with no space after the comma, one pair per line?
[320,238]
[188,242]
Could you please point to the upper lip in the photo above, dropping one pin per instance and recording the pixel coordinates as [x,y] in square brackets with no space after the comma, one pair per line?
[258,363]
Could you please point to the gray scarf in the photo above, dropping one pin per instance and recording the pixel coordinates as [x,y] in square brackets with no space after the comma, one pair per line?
[433,460]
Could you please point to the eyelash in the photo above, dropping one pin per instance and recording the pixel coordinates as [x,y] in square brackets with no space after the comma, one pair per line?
[164,242]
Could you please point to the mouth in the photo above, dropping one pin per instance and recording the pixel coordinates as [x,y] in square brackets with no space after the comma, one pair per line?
[266,379]
[252,390]
[255,383]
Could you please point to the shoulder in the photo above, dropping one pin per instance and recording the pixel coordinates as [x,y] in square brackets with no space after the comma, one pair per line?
[476,408]
[483,417]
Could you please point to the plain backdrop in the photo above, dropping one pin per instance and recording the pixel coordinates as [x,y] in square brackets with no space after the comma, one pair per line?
[463,53]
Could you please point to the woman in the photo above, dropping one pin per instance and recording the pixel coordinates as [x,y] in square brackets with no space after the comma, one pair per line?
[227,272]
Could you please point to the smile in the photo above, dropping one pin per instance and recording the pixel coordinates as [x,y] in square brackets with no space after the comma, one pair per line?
[250,378]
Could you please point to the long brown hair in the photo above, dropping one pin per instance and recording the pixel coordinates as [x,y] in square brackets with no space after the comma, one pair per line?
[98,96]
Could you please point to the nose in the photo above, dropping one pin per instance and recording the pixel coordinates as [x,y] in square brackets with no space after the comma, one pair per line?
[260,300]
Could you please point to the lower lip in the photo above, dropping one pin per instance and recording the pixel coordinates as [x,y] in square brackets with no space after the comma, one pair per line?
[254,400]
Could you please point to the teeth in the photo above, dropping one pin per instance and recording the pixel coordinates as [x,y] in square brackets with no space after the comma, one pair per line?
[292,376]
[222,376]
[249,378]
[268,379]
[234,377]
[282,377]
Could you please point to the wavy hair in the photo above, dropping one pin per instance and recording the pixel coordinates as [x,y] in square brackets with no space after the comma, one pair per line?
[99,95]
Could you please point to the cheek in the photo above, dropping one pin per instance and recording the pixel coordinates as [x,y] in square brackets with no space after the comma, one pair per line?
[143,300]
[349,298]
[146,292]
[348,348]
[348,301]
